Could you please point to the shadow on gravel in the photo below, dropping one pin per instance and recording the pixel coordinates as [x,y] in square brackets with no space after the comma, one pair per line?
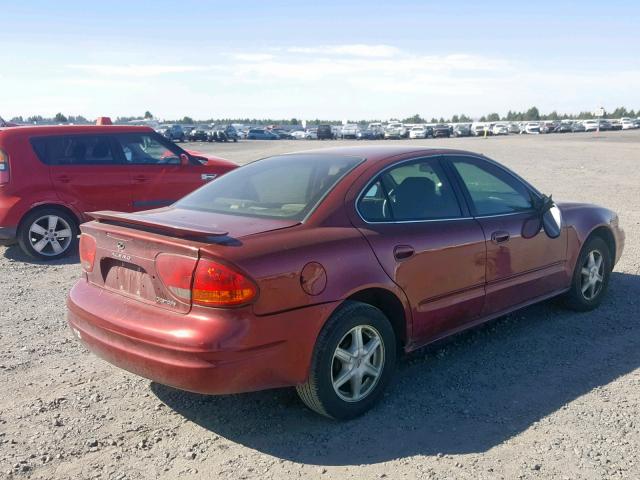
[467,395]
[13,252]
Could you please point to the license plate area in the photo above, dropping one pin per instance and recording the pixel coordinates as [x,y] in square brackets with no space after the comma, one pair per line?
[128,279]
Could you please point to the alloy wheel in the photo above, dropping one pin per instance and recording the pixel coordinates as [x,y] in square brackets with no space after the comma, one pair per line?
[50,235]
[357,363]
[592,274]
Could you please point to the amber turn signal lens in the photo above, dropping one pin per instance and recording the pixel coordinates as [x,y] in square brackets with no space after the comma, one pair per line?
[217,285]
[87,252]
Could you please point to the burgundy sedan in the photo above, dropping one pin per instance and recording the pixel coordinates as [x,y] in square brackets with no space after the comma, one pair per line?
[317,269]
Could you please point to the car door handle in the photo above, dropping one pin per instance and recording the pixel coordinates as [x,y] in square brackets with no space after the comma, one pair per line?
[500,237]
[140,178]
[402,252]
[207,177]
[63,178]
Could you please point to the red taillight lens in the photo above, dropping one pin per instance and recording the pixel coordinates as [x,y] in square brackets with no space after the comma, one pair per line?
[176,273]
[87,252]
[217,285]
[4,167]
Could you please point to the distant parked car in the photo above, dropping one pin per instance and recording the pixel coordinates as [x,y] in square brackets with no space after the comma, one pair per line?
[605,125]
[324,132]
[548,127]
[369,134]
[261,134]
[590,125]
[174,133]
[462,130]
[500,129]
[563,127]
[615,124]
[514,127]
[50,177]
[531,128]
[300,135]
[441,130]
[478,129]
[628,124]
[199,134]
[283,134]
[395,130]
[577,127]
[420,131]
[350,130]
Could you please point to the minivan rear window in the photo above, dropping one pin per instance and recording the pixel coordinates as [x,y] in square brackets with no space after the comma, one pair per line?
[285,186]
[75,150]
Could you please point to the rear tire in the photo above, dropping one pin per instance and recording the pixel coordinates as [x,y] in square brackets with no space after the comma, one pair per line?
[348,376]
[590,277]
[48,234]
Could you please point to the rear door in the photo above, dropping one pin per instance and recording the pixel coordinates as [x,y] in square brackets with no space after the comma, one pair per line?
[86,172]
[157,177]
[518,269]
[427,243]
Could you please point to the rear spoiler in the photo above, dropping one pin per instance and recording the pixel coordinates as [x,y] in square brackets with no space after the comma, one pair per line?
[146,220]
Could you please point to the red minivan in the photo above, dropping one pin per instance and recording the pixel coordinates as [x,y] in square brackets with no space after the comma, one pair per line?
[51,176]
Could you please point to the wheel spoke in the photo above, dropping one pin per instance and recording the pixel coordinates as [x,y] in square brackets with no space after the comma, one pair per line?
[53,222]
[371,370]
[64,233]
[357,339]
[585,287]
[593,290]
[343,378]
[585,271]
[592,260]
[371,347]
[356,384]
[40,245]
[37,229]
[342,355]
[57,248]
[599,262]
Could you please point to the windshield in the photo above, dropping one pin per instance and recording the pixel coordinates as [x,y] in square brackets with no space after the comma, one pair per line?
[286,186]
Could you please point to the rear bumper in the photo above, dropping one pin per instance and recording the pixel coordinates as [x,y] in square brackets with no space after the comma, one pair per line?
[210,351]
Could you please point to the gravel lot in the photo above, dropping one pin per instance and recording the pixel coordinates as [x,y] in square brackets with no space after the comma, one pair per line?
[543,393]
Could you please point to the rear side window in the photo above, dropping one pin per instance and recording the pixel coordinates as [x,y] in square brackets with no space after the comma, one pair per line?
[75,150]
[286,186]
[147,149]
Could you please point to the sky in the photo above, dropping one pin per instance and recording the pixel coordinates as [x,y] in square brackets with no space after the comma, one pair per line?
[327,59]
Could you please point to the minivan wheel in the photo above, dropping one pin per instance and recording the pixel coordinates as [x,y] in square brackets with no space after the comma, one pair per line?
[47,234]
[591,276]
[353,361]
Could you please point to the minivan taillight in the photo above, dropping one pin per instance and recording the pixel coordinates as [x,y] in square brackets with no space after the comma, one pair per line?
[218,285]
[4,167]
[87,250]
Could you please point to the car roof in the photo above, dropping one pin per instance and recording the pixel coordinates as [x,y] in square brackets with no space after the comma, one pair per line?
[29,130]
[379,153]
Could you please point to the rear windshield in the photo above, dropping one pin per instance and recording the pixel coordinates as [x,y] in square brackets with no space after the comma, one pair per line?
[286,186]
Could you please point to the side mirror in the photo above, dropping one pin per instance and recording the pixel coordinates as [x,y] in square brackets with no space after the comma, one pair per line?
[547,217]
[552,222]
[531,226]
[184,160]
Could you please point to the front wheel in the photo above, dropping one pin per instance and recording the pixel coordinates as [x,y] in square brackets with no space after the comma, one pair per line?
[591,276]
[353,361]
[48,234]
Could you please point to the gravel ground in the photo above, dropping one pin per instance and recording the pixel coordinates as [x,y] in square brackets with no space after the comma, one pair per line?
[543,393]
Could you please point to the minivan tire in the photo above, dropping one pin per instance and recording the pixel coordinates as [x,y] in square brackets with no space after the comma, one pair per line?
[43,231]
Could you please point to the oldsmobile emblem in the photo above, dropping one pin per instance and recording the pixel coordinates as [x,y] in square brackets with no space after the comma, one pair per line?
[120,246]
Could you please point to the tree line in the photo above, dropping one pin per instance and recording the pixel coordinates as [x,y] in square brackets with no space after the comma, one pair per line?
[532,114]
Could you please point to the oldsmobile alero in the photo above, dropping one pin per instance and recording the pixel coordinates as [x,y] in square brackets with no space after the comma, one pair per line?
[317,269]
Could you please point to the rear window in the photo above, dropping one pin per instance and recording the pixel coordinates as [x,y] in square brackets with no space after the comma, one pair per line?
[286,186]
[75,150]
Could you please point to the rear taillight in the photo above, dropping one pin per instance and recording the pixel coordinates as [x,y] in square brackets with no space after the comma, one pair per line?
[218,285]
[87,250]
[176,273]
[4,167]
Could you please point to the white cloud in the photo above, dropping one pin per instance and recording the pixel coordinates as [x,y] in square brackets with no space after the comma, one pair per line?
[137,70]
[355,50]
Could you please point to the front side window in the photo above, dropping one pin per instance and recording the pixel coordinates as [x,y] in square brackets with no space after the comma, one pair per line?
[286,186]
[75,150]
[492,190]
[410,192]
[147,149]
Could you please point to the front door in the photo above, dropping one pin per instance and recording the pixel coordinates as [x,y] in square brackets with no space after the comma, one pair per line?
[157,176]
[427,243]
[518,269]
